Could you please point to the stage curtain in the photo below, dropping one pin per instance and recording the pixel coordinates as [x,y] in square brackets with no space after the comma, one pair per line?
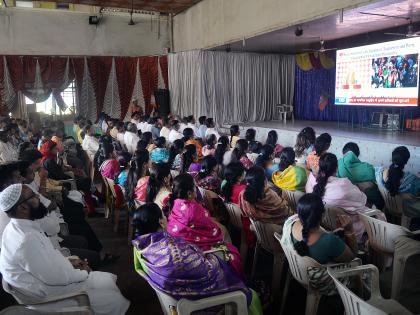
[126,77]
[163,61]
[230,87]
[309,85]
[99,69]
[149,79]
[2,104]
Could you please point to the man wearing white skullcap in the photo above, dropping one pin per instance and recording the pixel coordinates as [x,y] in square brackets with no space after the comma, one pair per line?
[31,265]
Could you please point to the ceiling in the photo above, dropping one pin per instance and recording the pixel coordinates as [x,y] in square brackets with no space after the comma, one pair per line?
[162,6]
[334,32]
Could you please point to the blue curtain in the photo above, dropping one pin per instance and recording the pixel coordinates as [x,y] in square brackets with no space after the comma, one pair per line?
[310,84]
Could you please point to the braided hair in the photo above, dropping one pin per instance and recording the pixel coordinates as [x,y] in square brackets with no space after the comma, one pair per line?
[255,184]
[231,175]
[221,148]
[181,186]
[272,138]
[400,157]
[327,167]
[135,173]
[322,143]
[310,209]
[265,156]
[158,173]
[188,157]
[240,150]
[287,158]
[208,164]
[176,148]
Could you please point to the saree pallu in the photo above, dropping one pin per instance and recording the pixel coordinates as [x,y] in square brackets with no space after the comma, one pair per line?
[110,169]
[191,221]
[182,270]
[292,178]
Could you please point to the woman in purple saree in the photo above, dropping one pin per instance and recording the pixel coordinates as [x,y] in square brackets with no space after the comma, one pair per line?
[178,267]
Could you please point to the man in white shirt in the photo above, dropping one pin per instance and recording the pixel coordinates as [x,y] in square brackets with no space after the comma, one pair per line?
[8,152]
[202,129]
[131,138]
[211,128]
[191,124]
[30,264]
[164,132]
[90,144]
[174,134]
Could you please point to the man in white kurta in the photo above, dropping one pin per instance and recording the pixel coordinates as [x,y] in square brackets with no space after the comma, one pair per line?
[90,144]
[31,265]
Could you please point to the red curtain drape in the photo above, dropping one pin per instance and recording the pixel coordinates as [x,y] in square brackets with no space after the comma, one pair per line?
[126,69]
[99,69]
[22,71]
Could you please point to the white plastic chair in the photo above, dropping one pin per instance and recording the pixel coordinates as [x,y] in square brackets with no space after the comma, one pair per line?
[186,307]
[390,240]
[298,268]
[23,310]
[293,197]
[282,110]
[395,205]
[265,239]
[354,305]
[56,305]
[235,216]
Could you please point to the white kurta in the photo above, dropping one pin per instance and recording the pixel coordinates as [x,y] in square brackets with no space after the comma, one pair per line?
[194,128]
[130,140]
[164,132]
[212,131]
[202,132]
[90,145]
[31,265]
[174,135]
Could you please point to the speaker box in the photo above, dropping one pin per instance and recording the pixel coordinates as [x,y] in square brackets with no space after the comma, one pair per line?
[162,101]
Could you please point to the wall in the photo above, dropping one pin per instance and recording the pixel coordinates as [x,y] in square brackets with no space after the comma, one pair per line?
[212,23]
[54,32]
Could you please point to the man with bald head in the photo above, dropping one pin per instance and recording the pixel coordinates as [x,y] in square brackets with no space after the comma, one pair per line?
[32,266]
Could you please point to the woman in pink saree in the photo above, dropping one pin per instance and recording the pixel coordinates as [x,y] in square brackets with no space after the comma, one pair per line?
[189,220]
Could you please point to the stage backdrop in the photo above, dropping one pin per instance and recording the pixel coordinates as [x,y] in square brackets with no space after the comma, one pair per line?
[231,87]
[102,83]
[311,83]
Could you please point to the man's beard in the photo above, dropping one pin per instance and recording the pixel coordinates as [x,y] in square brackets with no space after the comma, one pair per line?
[38,213]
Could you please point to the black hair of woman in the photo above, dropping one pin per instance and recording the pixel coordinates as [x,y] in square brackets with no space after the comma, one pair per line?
[209,122]
[147,136]
[250,134]
[211,141]
[241,148]
[304,140]
[141,145]
[208,164]
[182,187]
[353,147]
[160,142]
[231,175]
[265,156]
[287,158]
[328,165]
[400,157]
[322,143]
[176,148]
[188,157]
[146,219]
[158,173]
[135,172]
[202,120]
[272,138]
[234,131]
[310,209]
[255,184]
[255,146]
[221,148]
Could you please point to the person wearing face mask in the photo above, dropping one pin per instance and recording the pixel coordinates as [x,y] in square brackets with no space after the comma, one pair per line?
[31,265]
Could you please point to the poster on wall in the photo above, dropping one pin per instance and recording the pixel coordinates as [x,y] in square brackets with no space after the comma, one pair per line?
[385,74]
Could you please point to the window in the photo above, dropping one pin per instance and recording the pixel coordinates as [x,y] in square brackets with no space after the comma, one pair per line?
[49,106]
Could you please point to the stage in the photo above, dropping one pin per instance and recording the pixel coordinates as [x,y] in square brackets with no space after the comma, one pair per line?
[375,145]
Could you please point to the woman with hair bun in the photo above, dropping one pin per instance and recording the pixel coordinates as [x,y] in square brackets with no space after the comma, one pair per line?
[289,176]
[339,192]
[304,144]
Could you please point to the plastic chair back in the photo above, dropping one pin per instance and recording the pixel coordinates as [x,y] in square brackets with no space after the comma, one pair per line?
[329,219]
[382,235]
[353,304]
[293,197]
[19,310]
[111,184]
[298,264]
[265,235]
[235,214]
[393,204]
[19,297]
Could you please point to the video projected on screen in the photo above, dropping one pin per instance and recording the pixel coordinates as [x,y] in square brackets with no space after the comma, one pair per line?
[385,74]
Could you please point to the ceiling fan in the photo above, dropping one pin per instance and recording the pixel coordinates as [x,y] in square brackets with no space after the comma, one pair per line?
[321,48]
[410,31]
[410,27]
